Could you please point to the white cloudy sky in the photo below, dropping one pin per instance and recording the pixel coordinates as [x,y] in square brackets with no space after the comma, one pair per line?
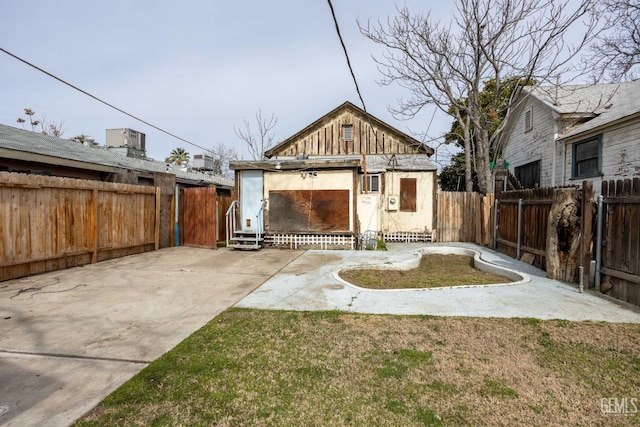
[193,67]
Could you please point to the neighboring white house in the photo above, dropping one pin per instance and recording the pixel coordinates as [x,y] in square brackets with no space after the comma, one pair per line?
[345,174]
[564,135]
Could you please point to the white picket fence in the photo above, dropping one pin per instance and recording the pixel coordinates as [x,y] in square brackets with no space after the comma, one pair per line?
[293,241]
[408,237]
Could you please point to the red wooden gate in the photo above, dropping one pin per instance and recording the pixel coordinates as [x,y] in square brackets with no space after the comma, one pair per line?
[200,223]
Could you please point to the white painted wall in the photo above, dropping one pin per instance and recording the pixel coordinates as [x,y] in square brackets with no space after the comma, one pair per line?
[536,144]
[303,180]
[620,148]
[620,154]
[422,219]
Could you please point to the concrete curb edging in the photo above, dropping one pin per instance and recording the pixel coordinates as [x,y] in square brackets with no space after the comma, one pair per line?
[481,264]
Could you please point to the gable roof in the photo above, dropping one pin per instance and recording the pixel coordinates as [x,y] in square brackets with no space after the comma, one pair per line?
[358,111]
[15,142]
[601,104]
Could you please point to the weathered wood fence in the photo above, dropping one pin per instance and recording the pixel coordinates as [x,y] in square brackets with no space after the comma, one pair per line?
[51,223]
[620,265]
[522,223]
[464,217]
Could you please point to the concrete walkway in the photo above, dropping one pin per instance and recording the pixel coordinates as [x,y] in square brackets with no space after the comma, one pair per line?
[69,338]
[311,283]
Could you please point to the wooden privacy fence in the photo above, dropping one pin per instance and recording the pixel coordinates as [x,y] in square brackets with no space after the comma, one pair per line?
[51,223]
[523,222]
[620,259]
[464,217]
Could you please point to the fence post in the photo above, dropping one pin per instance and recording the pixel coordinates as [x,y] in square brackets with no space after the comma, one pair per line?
[157,230]
[93,225]
[599,242]
[495,223]
[520,204]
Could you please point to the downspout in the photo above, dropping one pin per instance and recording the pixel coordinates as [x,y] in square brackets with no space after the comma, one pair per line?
[176,225]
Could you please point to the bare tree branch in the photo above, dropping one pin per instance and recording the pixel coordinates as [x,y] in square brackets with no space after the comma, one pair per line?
[446,64]
[616,55]
[260,142]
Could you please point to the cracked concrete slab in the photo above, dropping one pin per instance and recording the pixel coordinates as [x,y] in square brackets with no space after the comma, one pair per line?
[69,338]
[311,283]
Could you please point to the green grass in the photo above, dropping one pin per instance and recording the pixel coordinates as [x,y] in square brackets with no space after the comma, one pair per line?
[253,367]
[434,271]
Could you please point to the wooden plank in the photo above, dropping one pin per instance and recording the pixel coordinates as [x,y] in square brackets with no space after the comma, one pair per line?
[309,211]
[157,219]
[633,278]
[93,226]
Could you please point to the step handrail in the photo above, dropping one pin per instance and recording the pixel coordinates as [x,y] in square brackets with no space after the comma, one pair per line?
[259,224]
[230,220]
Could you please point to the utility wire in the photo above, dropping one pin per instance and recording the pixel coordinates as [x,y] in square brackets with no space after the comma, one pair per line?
[344,48]
[103,102]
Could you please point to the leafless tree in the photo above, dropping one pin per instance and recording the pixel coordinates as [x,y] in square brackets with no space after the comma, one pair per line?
[46,128]
[616,55]
[258,143]
[222,155]
[446,64]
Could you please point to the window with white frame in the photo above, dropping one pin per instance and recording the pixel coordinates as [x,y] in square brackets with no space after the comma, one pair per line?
[373,183]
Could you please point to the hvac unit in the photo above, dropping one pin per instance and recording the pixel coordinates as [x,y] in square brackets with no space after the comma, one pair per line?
[392,203]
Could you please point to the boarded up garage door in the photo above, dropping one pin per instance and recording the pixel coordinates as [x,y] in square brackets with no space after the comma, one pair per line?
[200,225]
[310,211]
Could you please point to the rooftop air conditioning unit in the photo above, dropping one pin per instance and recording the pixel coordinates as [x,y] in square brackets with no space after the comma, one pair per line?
[392,203]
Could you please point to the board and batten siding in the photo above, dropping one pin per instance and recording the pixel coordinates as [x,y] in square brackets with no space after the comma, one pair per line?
[327,139]
[536,144]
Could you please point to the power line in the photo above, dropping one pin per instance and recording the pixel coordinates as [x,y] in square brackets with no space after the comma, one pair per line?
[344,48]
[101,101]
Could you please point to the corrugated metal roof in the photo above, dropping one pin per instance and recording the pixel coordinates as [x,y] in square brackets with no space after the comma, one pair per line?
[405,162]
[375,162]
[33,142]
[609,102]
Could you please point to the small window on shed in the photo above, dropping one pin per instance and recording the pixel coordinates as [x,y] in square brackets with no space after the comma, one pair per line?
[347,132]
[528,120]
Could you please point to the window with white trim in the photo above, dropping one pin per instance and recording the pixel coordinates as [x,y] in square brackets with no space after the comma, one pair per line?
[373,182]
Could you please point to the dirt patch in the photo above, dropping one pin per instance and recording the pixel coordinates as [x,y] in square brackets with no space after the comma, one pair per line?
[435,270]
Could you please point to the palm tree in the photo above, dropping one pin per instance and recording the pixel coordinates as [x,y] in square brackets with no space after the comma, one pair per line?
[85,140]
[178,156]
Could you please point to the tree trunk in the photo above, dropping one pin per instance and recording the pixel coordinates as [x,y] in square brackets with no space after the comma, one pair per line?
[563,236]
[467,159]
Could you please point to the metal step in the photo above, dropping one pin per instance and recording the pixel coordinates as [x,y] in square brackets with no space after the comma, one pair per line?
[245,247]
[245,239]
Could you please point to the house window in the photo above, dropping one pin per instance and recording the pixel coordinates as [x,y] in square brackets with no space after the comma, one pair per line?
[347,132]
[587,158]
[529,175]
[373,182]
[408,194]
[528,120]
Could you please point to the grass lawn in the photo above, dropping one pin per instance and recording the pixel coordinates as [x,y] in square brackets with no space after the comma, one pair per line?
[434,271]
[254,367]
